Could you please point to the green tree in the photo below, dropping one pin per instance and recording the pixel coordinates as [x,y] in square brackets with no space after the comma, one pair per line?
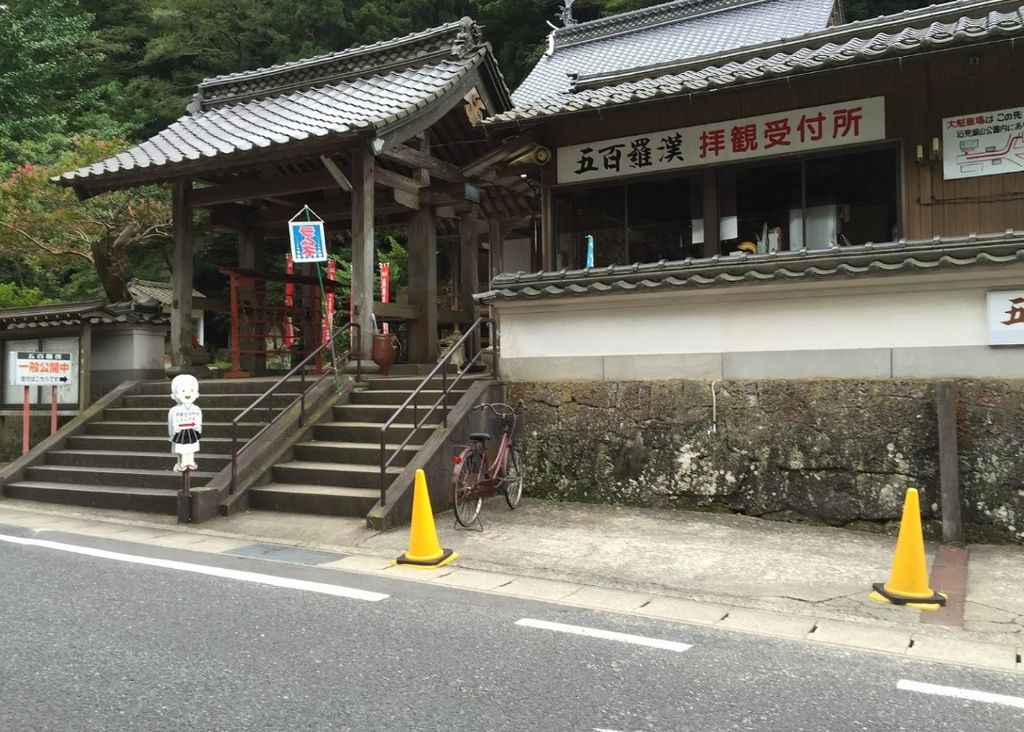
[49,227]
[47,57]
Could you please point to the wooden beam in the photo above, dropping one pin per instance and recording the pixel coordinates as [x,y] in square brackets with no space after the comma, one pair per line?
[339,177]
[181,276]
[328,210]
[391,179]
[246,189]
[499,156]
[409,200]
[416,159]
[469,275]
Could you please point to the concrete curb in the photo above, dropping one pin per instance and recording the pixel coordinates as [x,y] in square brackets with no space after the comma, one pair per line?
[724,616]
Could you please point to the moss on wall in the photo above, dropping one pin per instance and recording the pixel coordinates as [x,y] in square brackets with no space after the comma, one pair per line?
[837,452]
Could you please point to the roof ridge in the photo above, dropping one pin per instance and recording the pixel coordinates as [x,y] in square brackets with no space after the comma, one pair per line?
[895,22]
[668,12]
[465,35]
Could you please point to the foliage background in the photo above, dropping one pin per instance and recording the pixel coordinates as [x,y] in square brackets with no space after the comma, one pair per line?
[74,73]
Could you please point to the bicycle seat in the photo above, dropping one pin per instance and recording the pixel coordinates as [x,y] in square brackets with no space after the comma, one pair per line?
[480,436]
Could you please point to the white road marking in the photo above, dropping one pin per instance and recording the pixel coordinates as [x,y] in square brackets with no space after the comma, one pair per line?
[957,693]
[263,579]
[606,634]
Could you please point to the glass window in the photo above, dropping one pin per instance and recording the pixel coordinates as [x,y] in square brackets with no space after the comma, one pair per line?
[755,207]
[661,219]
[597,212]
[859,191]
[638,222]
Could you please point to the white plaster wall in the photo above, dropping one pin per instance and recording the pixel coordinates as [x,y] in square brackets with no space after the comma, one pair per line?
[906,312]
[128,348]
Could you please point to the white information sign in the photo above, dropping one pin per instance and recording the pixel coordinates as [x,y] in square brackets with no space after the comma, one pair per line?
[983,143]
[1006,317]
[39,368]
[798,130]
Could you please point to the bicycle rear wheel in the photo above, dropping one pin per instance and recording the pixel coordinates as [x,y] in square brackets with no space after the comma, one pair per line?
[514,478]
[466,500]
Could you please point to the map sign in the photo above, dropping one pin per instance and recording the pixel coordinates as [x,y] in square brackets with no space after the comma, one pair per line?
[983,143]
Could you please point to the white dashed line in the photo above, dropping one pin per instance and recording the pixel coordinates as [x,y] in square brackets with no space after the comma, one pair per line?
[957,693]
[263,579]
[638,640]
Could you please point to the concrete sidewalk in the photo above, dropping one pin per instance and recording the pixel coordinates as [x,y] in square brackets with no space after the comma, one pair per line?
[734,572]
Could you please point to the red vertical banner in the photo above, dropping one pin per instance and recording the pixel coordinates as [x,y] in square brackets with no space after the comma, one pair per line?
[329,320]
[289,302]
[385,288]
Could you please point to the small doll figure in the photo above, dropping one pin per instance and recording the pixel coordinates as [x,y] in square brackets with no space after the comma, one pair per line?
[185,421]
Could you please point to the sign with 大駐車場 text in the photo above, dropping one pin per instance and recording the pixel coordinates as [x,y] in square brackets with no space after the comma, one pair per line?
[798,130]
[983,143]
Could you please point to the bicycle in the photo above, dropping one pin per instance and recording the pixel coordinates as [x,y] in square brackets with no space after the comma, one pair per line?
[473,479]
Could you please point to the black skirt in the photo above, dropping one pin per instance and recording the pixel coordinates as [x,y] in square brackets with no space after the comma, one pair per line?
[187,436]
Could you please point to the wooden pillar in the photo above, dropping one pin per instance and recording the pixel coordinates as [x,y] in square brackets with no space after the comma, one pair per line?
[363,165]
[85,365]
[252,254]
[711,214]
[181,302]
[496,242]
[469,273]
[423,285]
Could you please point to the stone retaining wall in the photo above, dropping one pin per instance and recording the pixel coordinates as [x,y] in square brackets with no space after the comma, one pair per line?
[837,452]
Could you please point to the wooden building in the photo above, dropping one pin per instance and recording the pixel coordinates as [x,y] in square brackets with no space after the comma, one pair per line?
[371,136]
[824,202]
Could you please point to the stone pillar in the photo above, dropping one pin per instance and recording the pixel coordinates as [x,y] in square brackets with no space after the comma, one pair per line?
[181,286]
[363,164]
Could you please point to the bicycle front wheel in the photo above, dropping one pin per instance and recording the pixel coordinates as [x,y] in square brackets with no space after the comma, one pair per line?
[466,500]
[514,478]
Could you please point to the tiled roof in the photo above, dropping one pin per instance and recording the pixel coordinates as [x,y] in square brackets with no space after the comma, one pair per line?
[838,262]
[161,292]
[663,33]
[364,90]
[97,312]
[903,34]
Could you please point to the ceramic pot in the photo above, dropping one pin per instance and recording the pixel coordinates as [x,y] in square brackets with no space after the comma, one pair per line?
[383,353]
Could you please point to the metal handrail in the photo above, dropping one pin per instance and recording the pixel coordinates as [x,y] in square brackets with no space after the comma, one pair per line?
[327,346]
[442,401]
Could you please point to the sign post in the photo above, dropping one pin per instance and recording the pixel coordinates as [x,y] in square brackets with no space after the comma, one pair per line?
[385,289]
[33,368]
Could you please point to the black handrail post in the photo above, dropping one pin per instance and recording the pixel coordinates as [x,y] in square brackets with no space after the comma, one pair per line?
[234,454]
[383,466]
[444,397]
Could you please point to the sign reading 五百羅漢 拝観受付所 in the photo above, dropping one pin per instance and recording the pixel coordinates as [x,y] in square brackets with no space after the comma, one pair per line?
[730,141]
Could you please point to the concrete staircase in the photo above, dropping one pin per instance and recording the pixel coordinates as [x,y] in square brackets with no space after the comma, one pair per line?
[338,471]
[123,460]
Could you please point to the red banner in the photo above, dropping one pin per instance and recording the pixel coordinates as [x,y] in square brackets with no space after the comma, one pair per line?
[385,288]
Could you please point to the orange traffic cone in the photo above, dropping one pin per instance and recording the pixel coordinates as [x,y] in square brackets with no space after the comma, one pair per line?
[424,549]
[908,582]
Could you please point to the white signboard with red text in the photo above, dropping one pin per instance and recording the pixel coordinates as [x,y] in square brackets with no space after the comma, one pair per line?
[39,369]
[983,143]
[1006,317]
[799,130]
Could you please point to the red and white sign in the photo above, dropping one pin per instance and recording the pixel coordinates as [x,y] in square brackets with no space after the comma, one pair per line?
[385,289]
[35,369]
[798,130]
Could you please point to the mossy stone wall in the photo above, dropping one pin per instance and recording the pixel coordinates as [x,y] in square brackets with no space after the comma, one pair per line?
[839,452]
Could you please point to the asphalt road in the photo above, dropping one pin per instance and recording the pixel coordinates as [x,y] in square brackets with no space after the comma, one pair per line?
[98,643]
